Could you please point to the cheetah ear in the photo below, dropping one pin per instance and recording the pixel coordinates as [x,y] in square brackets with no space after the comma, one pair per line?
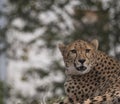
[95,43]
[61,47]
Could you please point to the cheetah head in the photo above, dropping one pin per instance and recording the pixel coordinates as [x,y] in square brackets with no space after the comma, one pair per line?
[79,56]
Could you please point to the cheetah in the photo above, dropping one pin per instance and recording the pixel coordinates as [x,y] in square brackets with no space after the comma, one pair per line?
[92,77]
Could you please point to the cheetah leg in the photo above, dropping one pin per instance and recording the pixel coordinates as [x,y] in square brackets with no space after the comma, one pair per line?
[112,98]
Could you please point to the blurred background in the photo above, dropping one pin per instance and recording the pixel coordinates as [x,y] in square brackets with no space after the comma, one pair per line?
[31,66]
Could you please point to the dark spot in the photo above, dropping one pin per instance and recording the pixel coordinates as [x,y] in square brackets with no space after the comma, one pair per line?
[104,99]
[90,87]
[82,96]
[79,92]
[98,67]
[73,87]
[105,61]
[112,67]
[78,86]
[118,99]
[102,65]
[95,84]
[74,93]
[70,99]
[86,89]
[109,63]
[61,103]
[68,90]
[88,83]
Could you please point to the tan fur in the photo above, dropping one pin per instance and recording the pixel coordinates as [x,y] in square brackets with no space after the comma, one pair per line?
[92,76]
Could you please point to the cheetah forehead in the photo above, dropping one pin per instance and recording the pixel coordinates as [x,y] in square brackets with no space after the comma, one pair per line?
[80,44]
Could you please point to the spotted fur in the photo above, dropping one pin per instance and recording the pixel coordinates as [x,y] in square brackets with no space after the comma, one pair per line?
[92,76]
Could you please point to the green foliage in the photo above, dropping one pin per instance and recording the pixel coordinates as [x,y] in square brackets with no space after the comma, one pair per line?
[100,28]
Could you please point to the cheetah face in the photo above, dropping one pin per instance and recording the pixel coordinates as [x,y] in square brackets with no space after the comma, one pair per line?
[79,56]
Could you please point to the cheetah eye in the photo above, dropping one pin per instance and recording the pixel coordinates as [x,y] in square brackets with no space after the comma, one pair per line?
[73,51]
[87,50]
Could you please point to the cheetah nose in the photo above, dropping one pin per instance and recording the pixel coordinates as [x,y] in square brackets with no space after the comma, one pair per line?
[81,61]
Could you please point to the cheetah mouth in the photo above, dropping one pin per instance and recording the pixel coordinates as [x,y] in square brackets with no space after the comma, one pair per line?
[81,68]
